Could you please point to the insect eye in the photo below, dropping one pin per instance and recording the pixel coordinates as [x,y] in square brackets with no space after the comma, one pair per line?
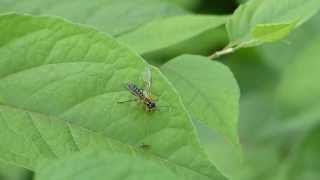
[152,105]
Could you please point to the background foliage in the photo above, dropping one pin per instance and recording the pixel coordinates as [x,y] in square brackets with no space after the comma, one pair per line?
[250,113]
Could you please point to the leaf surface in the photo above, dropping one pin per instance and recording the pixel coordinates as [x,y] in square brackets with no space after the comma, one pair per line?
[169,31]
[209,91]
[112,16]
[102,165]
[260,21]
[60,85]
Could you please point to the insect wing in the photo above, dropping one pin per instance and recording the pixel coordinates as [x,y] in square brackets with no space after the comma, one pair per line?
[147,82]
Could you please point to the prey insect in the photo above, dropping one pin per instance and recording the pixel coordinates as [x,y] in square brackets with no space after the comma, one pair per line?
[143,95]
[145,146]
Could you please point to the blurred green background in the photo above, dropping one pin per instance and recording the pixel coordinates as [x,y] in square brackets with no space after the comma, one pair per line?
[279,107]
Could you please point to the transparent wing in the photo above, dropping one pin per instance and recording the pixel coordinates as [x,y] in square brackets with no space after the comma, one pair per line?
[147,82]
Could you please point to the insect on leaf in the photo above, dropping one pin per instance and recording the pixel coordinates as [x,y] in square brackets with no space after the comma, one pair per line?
[59,93]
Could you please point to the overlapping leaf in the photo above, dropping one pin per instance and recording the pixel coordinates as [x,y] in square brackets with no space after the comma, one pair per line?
[60,85]
[260,21]
[209,91]
[167,32]
[112,16]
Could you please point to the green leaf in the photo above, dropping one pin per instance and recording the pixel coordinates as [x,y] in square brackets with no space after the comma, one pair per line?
[206,42]
[295,43]
[260,21]
[60,85]
[102,165]
[112,16]
[167,32]
[272,32]
[209,91]
[28,138]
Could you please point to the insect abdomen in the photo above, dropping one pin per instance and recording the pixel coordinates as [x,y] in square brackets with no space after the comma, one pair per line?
[135,90]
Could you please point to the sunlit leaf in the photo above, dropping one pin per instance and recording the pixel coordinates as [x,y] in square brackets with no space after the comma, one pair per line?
[60,85]
[260,21]
[209,91]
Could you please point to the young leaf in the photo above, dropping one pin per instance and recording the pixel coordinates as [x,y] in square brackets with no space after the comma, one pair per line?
[103,165]
[260,21]
[209,91]
[112,16]
[166,32]
[295,43]
[60,85]
[272,32]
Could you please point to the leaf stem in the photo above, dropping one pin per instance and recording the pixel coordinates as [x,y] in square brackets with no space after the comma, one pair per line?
[231,48]
[222,52]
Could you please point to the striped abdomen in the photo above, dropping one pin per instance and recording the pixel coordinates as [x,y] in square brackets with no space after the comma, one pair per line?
[134,90]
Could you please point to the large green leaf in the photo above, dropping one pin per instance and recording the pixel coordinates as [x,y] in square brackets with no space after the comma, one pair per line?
[102,165]
[60,85]
[260,21]
[166,32]
[28,138]
[209,91]
[112,16]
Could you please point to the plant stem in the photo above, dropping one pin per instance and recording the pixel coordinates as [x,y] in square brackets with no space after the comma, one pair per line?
[224,51]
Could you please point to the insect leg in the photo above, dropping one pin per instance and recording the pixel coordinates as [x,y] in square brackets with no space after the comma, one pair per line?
[129,100]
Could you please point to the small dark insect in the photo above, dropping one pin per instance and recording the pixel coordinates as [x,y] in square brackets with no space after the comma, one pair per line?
[143,95]
[146,100]
[145,146]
